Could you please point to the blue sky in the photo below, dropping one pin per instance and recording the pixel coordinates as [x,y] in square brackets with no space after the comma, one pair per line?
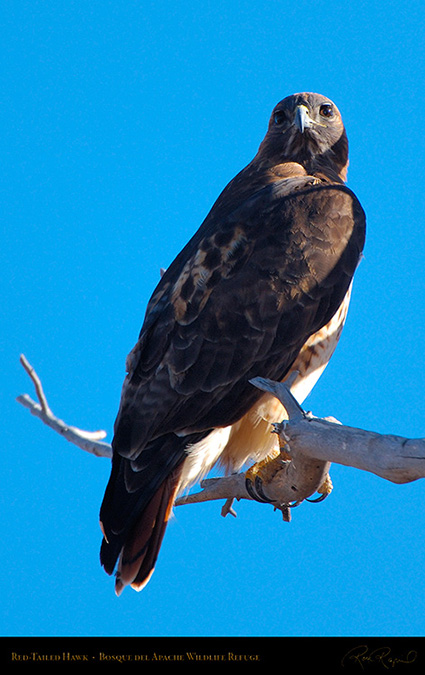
[121,123]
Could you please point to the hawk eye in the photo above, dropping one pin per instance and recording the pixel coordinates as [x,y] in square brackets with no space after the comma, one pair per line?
[279,117]
[326,110]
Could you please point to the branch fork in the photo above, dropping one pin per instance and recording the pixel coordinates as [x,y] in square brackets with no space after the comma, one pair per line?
[90,441]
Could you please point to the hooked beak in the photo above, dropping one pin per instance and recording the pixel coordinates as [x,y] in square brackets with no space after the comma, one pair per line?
[302,118]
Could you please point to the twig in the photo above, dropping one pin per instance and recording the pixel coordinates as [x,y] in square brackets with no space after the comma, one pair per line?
[37,384]
[86,440]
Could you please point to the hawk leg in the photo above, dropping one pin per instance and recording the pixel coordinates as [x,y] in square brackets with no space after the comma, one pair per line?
[263,472]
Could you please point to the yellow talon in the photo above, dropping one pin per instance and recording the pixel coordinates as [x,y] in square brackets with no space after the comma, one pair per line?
[258,467]
[326,487]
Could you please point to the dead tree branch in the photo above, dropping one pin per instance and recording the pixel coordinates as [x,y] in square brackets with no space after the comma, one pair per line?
[308,447]
[86,440]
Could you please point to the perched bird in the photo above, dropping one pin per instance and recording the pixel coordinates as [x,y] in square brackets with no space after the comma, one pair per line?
[261,289]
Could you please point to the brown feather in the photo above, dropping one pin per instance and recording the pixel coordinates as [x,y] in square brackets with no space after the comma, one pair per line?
[140,552]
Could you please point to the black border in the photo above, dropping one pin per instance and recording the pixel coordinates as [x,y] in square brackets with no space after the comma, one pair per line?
[283,654]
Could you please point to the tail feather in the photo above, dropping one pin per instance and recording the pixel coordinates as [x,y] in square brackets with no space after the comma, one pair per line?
[140,551]
[137,506]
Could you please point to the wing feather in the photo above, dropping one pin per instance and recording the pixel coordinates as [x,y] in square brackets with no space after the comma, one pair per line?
[238,306]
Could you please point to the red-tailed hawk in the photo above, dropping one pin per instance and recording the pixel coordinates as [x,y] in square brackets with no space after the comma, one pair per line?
[261,289]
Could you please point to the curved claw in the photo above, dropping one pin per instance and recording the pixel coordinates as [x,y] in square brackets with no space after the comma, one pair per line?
[259,489]
[316,501]
[250,490]
[256,492]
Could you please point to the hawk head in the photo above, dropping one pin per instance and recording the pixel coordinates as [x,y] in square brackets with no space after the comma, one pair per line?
[307,128]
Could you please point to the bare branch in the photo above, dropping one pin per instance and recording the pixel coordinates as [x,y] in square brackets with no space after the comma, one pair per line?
[86,440]
[394,458]
[37,384]
[308,447]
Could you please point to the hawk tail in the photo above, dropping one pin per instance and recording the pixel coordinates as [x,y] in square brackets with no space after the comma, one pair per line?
[140,550]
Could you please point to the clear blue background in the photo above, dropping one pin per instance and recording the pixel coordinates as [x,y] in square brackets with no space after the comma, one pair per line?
[120,124]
